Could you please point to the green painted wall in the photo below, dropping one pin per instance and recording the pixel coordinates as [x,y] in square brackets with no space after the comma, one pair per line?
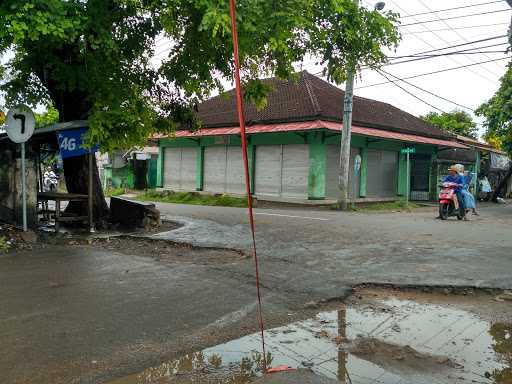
[152,174]
[317,141]
[402,175]
[199,168]
[160,167]
[317,164]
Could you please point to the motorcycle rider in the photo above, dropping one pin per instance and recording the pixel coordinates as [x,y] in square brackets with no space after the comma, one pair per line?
[455,177]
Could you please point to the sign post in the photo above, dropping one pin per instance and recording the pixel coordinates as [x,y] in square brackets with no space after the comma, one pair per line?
[20,125]
[408,151]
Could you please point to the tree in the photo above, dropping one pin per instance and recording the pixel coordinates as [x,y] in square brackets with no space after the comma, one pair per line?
[91,59]
[497,112]
[457,121]
[51,116]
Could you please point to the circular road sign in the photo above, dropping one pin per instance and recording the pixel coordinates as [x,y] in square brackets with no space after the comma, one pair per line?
[20,124]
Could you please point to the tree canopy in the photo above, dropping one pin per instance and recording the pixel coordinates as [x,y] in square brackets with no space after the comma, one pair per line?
[497,112]
[456,121]
[92,58]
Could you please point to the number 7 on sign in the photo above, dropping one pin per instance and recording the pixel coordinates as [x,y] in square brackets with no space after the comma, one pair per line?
[22,118]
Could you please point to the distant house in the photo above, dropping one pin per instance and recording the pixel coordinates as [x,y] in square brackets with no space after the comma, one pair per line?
[294,146]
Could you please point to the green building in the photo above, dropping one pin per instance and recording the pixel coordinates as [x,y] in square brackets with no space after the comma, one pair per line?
[294,147]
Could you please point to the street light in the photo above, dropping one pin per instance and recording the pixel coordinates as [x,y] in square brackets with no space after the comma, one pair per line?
[380,6]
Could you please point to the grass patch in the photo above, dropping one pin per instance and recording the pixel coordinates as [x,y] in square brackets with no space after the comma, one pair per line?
[387,206]
[194,199]
[114,192]
[4,247]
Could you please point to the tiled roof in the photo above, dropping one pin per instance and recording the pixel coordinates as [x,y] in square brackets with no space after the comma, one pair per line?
[311,98]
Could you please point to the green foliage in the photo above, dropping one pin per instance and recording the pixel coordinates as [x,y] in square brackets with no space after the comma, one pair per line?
[4,247]
[497,112]
[115,192]
[344,35]
[51,116]
[457,121]
[194,199]
[91,58]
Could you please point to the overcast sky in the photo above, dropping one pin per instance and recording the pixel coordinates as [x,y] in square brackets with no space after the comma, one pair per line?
[467,86]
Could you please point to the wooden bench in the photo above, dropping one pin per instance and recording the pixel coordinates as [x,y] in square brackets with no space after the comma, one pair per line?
[58,198]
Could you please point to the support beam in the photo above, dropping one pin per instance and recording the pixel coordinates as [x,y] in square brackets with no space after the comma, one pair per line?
[160,167]
[317,167]
[199,168]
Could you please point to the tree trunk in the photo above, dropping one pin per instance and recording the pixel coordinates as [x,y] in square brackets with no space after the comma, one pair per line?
[76,172]
[72,105]
[502,185]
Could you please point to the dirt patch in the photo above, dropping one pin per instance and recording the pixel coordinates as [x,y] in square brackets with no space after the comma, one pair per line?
[163,250]
[13,239]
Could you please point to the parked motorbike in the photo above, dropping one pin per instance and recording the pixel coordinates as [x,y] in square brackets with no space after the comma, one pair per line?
[448,204]
[50,181]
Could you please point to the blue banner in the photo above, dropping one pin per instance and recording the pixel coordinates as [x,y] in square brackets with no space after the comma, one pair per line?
[71,143]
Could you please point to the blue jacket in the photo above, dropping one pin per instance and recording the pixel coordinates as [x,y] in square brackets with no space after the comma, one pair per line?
[457,179]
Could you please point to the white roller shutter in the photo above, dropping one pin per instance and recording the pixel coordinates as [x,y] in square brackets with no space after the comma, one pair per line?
[215,169]
[180,169]
[235,178]
[172,164]
[188,169]
[382,173]
[282,170]
[268,170]
[295,171]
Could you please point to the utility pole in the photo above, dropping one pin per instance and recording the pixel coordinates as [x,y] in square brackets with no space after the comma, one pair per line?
[346,133]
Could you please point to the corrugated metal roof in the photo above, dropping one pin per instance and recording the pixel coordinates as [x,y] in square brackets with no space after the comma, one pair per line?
[318,124]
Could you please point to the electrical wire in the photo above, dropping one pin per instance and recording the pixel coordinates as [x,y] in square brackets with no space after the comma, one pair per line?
[477,73]
[427,91]
[434,72]
[456,28]
[410,93]
[455,17]
[448,25]
[455,8]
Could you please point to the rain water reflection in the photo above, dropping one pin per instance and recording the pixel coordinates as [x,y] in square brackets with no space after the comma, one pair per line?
[391,341]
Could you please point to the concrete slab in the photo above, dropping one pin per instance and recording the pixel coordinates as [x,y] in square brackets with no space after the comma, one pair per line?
[299,376]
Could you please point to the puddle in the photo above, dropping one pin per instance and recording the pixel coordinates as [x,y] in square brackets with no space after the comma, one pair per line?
[387,341]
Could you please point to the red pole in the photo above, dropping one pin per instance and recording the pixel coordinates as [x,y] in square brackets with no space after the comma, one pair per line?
[241,118]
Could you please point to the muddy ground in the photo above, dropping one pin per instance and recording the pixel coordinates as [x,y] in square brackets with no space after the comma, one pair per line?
[342,343]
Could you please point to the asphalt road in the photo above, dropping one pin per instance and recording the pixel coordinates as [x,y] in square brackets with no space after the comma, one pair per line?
[73,314]
[321,252]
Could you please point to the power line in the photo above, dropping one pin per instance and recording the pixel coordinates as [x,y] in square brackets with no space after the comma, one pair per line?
[426,91]
[410,93]
[463,44]
[451,58]
[448,25]
[455,17]
[423,54]
[453,9]
[435,72]
[418,57]
[456,28]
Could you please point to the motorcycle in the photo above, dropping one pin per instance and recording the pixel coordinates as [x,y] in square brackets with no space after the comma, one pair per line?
[50,181]
[448,202]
